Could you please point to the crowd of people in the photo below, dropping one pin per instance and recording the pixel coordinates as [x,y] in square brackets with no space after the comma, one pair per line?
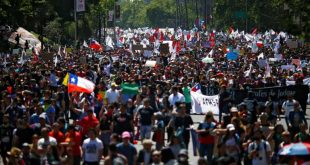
[42,123]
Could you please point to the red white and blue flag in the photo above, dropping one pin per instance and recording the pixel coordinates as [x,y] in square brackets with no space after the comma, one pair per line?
[95,45]
[79,84]
[196,88]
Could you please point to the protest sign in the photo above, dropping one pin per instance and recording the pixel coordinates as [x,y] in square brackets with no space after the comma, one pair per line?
[137,47]
[279,57]
[28,52]
[305,81]
[296,62]
[273,59]
[15,51]
[299,92]
[148,53]
[262,63]
[148,47]
[288,67]
[291,43]
[164,49]
[115,58]
[150,63]
[203,104]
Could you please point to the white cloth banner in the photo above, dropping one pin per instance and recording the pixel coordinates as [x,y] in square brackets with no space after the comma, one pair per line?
[203,104]
[306,82]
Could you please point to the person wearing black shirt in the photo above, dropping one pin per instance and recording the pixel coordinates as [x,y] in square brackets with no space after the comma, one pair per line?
[6,134]
[224,102]
[23,133]
[146,114]
[183,121]
[105,129]
[130,107]
[122,121]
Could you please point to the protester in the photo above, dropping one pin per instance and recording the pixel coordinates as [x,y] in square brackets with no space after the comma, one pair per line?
[92,149]
[146,119]
[114,157]
[127,149]
[145,155]
[124,95]
[206,137]
[259,150]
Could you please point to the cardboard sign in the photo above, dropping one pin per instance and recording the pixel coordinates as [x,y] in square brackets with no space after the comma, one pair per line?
[296,62]
[273,59]
[47,57]
[15,51]
[164,49]
[262,63]
[148,47]
[288,67]
[292,44]
[150,63]
[28,52]
[279,57]
[148,53]
[137,47]
[115,58]
[83,60]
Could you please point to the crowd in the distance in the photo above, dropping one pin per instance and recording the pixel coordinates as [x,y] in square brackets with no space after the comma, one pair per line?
[41,123]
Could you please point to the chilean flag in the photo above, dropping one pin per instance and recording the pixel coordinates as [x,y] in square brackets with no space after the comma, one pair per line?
[79,84]
[196,88]
[95,45]
[259,44]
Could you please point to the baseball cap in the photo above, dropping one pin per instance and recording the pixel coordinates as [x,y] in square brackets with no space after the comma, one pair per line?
[233,109]
[230,127]
[26,145]
[126,135]
[183,152]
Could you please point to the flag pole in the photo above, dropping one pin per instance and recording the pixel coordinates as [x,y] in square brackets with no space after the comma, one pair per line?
[246,19]
[76,23]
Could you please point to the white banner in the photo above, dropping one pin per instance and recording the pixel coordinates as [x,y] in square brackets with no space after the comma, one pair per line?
[306,82]
[80,5]
[204,104]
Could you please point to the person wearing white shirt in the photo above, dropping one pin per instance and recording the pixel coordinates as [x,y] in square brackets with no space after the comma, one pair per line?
[112,95]
[92,149]
[175,96]
[259,150]
[45,144]
[288,105]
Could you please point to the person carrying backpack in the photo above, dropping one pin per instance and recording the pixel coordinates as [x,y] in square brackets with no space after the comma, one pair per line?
[259,150]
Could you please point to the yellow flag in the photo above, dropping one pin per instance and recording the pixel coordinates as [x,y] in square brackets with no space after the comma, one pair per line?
[65,81]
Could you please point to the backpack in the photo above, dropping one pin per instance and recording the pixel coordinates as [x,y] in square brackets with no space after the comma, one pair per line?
[265,148]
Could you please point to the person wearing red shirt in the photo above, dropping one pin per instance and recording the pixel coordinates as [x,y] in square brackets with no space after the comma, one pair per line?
[206,137]
[89,121]
[55,133]
[73,141]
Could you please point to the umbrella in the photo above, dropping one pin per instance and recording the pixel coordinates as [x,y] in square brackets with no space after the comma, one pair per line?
[208,60]
[295,149]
